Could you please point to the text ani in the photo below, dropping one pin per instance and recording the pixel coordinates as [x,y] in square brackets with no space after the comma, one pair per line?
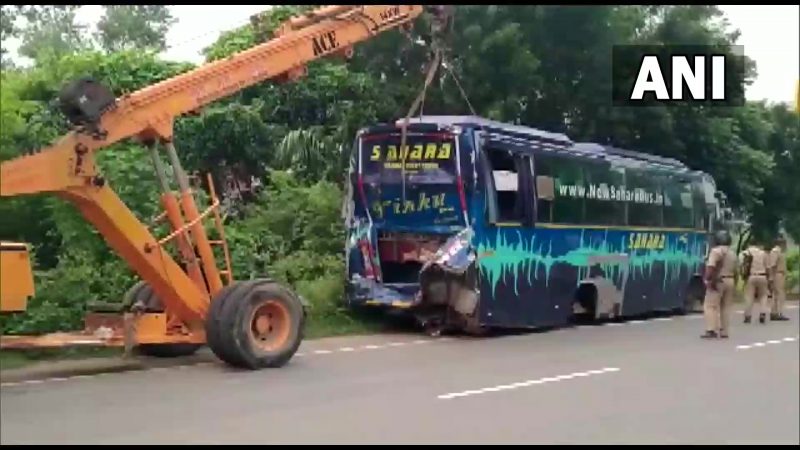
[419,152]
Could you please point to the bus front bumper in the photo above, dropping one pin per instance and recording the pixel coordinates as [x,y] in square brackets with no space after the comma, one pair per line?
[366,292]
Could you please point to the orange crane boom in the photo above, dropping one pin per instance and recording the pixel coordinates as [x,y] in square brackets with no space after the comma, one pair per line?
[255,323]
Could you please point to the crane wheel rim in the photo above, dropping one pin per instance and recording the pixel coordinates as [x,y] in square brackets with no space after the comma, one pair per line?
[270,325]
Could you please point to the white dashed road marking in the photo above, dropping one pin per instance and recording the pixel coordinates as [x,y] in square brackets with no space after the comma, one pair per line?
[401,344]
[764,344]
[526,383]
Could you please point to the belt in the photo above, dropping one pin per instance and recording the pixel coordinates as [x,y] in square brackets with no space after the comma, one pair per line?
[762,274]
[726,276]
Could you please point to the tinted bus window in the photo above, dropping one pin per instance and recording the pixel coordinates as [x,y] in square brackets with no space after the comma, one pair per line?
[646,202]
[700,210]
[509,180]
[604,205]
[567,206]
[678,202]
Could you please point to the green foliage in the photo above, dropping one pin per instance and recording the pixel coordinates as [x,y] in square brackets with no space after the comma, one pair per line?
[516,63]
[125,27]
[51,32]
[793,270]
[292,232]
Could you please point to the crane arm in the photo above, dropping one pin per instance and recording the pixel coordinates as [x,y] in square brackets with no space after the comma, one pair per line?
[149,113]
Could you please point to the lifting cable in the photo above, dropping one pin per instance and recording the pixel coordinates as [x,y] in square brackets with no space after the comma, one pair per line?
[442,16]
[434,64]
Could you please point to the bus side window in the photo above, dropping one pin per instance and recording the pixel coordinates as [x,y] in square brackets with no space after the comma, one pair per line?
[647,206]
[677,202]
[700,211]
[508,185]
[545,189]
[603,184]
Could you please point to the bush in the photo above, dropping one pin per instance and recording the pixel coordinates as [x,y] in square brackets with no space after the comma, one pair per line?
[793,269]
[292,232]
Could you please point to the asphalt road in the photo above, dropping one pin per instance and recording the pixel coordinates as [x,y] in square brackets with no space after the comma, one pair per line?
[649,382]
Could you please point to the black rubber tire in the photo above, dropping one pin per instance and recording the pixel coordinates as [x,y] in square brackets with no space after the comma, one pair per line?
[130,296]
[695,295]
[142,291]
[230,325]
[214,323]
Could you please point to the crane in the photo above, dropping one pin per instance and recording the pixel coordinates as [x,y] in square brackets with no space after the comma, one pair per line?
[179,307]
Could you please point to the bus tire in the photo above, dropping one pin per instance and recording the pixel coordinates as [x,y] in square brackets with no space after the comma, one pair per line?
[695,294]
[259,324]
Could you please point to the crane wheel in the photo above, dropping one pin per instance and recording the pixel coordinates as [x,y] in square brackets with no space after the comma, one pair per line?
[142,296]
[255,324]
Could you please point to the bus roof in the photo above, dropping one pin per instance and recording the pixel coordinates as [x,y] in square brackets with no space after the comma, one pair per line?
[528,139]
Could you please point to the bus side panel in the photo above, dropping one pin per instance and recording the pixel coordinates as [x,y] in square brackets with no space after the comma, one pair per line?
[529,277]
[660,275]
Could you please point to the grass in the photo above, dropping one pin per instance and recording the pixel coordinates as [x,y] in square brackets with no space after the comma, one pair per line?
[345,323]
[15,359]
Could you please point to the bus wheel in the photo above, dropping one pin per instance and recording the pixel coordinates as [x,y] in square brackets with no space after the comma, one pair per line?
[256,324]
[695,295]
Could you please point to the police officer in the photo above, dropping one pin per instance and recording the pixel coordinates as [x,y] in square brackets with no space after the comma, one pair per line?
[755,263]
[720,280]
[777,268]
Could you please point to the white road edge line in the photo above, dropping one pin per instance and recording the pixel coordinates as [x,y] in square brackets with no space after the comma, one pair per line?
[526,383]
[765,343]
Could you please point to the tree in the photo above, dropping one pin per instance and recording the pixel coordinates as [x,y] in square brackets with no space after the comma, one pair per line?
[8,29]
[125,27]
[51,31]
[778,204]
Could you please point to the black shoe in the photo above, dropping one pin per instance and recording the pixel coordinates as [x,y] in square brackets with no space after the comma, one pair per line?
[781,318]
[746,319]
[723,336]
[762,318]
[709,335]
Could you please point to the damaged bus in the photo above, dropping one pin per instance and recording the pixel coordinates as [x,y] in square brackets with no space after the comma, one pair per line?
[477,224]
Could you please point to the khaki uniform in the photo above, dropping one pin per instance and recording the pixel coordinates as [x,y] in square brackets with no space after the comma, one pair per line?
[777,267]
[756,284]
[719,294]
